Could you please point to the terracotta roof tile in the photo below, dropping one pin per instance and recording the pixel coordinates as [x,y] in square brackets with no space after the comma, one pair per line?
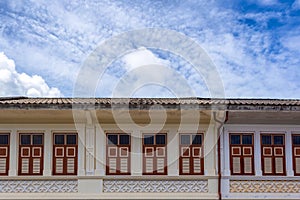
[16,101]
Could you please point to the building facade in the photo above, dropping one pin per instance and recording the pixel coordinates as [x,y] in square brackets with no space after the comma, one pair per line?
[189,148]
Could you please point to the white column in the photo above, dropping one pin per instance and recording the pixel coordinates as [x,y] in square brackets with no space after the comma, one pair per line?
[226,157]
[100,151]
[257,154]
[13,153]
[225,164]
[289,154]
[47,153]
[173,153]
[210,143]
[90,143]
[136,153]
[81,151]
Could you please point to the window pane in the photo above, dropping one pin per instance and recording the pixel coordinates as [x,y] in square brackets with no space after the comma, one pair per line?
[37,139]
[235,139]
[296,139]
[25,139]
[148,139]
[278,139]
[160,139]
[197,139]
[185,139]
[124,139]
[3,139]
[112,139]
[71,139]
[266,139]
[247,139]
[59,139]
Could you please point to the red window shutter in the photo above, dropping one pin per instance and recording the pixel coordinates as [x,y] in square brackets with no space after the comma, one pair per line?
[241,154]
[31,155]
[118,155]
[65,155]
[273,154]
[155,157]
[4,153]
[296,154]
[191,161]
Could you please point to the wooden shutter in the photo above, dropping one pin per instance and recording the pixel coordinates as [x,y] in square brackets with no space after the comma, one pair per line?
[65,154]
[191,160]
[296,154]
[31,153]
[118,155]
[248,165]
[273,154]
[297,166]
[155,157]
[241,154]
[268,169]
[4,154]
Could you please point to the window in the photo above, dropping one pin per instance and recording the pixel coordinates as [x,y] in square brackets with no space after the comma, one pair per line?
[296,154]
[31,154]
[273,154]
[118,154]
[4,153]
[65,150]
[241,154]
[154,154]
[191,160]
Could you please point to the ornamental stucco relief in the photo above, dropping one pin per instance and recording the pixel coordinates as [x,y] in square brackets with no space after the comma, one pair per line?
[155,186]
[27,186]
[265,186]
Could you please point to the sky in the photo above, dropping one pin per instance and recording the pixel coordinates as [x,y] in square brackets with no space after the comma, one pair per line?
[253,44]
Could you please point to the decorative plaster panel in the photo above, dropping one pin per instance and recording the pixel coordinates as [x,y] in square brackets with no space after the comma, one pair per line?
[265,186]
[27,186]
[155,186]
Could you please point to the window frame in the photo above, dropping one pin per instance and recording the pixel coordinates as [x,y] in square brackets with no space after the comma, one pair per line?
[118,157]
[273,157]
[155,146]
[242,146]
[294,146]
[65,157]
[7,147]
[191,156]
[31,157]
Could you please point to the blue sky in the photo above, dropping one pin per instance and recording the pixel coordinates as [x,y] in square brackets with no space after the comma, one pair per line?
[254,45]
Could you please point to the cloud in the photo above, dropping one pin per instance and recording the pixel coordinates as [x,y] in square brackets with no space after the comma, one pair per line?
[296,5]
[13,83]
[267,2]
[292,42]
[140,57]
[252,47]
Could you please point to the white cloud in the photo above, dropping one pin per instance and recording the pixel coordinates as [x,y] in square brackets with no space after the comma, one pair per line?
[265,2]
[292,42]
[147,75]
[268,2]
[140,57]
[13,83]
[296,5]
[52,40]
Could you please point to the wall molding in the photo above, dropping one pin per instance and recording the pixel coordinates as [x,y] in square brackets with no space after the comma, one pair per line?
[266,186]
[38,186]
[200,186]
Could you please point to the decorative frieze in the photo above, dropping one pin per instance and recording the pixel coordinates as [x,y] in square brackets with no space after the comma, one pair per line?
[265,186]
[155,186]
[37,186]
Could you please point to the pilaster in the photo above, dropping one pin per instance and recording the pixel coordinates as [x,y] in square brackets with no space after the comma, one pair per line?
[173,153]
[13,155]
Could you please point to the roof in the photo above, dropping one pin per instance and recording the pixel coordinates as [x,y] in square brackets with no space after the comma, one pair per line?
[146,103]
